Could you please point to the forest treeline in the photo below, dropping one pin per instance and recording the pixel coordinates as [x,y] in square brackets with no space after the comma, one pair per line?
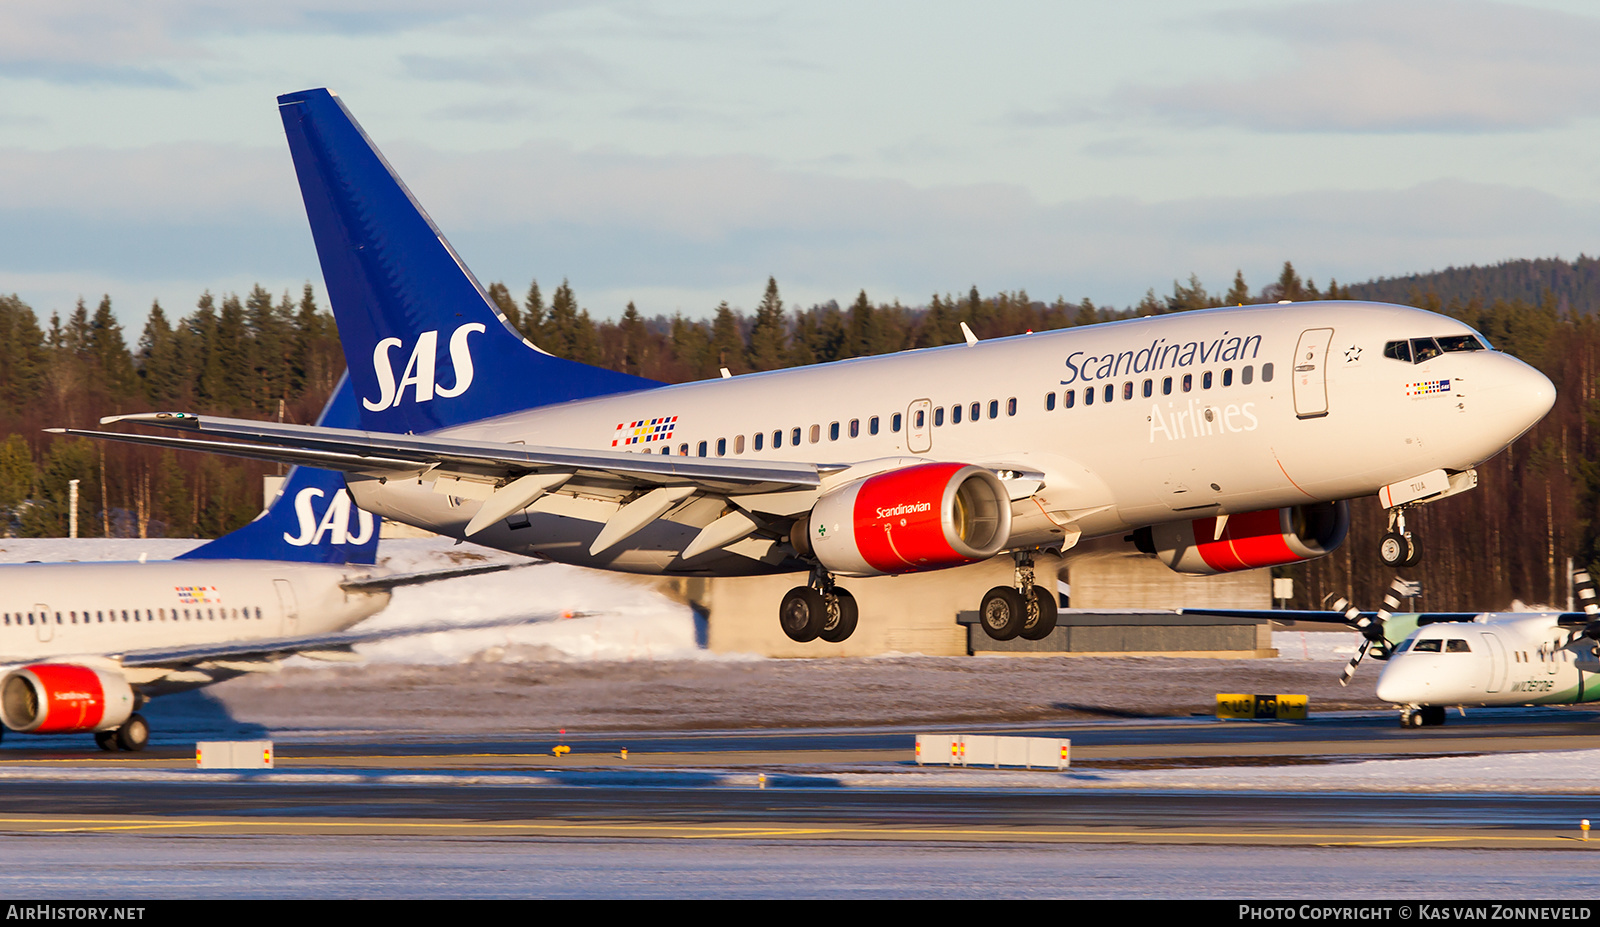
[279,357]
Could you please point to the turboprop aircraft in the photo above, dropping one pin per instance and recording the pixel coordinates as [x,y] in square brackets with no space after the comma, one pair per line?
[1439,659]
[87,644]
[1221,440]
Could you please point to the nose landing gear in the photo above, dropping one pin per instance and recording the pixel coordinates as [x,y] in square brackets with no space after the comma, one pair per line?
[1398,548]
[1422,716]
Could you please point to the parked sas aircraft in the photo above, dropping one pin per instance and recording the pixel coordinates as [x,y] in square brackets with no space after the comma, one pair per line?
[1223,440]
[1439,659]
[89,643]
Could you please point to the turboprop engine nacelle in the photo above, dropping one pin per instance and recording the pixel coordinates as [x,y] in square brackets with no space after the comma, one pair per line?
[1271,537]
[925,517]
[64,698]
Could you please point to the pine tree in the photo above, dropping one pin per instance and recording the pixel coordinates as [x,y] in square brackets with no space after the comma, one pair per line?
[727,343]
[1239,293]
[533,316]
[633,341]
[769,334]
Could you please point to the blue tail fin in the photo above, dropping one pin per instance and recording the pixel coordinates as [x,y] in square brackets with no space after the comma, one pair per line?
[312,520]
[425,346]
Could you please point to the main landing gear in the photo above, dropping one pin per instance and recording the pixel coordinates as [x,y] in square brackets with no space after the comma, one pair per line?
[1422,716]
[1398,548]
[1023,610]
[819,610]
[131,736]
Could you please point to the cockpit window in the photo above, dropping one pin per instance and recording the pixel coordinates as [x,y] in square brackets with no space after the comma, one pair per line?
[1431,646]
[1450,344]
[1424,350]
[1403,646]
[1457,646]
[1398,350]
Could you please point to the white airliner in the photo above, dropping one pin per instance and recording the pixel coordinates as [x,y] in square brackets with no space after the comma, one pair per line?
[87,644]
[1439,659]
[1222,440]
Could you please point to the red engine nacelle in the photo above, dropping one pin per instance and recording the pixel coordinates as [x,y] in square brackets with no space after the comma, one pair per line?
[925,517]
[1249,540]
[64,698]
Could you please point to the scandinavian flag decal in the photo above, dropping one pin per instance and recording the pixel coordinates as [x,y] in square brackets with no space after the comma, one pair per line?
[644,431]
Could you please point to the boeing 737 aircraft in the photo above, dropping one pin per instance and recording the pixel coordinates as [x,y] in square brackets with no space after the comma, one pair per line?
[1221,440]
[89,643]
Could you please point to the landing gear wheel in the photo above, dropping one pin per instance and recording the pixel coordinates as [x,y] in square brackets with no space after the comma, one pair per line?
[838,629]
[1002,613]
[1413,555]
[802,614]
[106,740]
[1040,627]
[1393,549]
[133,734]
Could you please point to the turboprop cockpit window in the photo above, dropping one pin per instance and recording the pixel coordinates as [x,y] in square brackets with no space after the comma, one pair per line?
[1429,646]
[1457,646]
[1403,646]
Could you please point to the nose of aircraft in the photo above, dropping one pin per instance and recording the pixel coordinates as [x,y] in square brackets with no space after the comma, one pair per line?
[1398,683]
[1529,395]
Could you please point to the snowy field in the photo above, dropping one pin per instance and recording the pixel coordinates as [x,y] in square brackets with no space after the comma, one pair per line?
[632,662]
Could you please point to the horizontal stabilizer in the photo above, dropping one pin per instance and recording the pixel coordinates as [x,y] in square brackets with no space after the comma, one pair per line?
[385,583]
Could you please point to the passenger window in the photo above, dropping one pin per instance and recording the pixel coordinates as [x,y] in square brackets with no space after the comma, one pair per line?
[1050,401]
[1088,396]
[1188,382]
[1266,373]
[955,414]
[922,417]
[759,440]
[665,451]
[702,449]
[855,428]
[1246,375]
[794,437]
[1205,380]
[816,433]
[1011,406]
[683,450]
[994,409]
[1070,397]
[1227,376]
[1428,646]
[833,431]
[1424,350]
[938,416]
[1149,388]
[1166,386]
[1110,393]
[777,439]
[894,423]
[1127,390]
[977,410]
[722,447]
[872,425]
[1457,646]
[738,444]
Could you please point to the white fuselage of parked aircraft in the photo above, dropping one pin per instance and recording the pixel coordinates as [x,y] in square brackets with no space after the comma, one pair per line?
[1507,658]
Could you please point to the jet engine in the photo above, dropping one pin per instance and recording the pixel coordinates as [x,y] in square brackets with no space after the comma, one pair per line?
[64,698]
[1271,537]
[924,517]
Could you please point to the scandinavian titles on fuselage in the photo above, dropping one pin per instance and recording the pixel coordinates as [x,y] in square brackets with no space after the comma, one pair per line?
[1160,356]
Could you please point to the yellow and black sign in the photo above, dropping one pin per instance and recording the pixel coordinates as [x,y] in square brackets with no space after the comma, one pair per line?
[1262,707]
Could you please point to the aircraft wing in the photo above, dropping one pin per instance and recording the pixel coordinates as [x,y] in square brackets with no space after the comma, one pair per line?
[384,583]
[1284,614]
[356,451]
[283,647]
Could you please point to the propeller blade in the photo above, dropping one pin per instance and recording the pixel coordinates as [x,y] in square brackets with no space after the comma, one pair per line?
[1355,661]
[1585,587]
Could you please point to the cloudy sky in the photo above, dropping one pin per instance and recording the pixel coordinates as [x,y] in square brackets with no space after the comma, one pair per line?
[676,154]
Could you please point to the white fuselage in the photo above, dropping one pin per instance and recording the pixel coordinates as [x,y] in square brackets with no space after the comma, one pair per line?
[1497,659]
[52,611]
[1193,414]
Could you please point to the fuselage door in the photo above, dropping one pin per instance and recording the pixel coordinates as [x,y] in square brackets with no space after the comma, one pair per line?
[291,609]
[1497,662]
[42,622]
[1311,373]
[919,428]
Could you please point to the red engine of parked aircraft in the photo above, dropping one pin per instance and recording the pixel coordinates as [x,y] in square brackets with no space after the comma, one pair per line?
[64,698]
[924,517]
[1271,537]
